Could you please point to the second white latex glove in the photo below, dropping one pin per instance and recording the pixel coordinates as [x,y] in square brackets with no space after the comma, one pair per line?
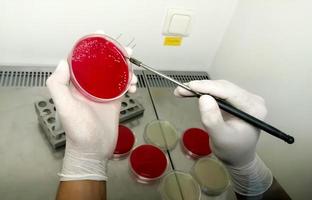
[233,141]
[91,127]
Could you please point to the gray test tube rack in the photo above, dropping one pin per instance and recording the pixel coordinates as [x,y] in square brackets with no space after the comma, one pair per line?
[46,113]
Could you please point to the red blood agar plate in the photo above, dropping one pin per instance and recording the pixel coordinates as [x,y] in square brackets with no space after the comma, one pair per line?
[148,163]
[99,68]
[195,142]
[125,142]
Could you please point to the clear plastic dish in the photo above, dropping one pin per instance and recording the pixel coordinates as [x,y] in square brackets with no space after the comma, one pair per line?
[179,186]
[99,68]
[211,175]
[195,143]
[161,133]
[125,142]
[148,163]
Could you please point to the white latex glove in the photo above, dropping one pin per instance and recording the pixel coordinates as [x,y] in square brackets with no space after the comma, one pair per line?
[91,127]
[233,141]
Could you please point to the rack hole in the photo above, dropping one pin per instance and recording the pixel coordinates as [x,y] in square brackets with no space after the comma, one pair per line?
[42,103]
[51,120]
[46,111]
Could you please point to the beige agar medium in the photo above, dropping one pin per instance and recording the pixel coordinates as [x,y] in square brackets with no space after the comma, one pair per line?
[211,176]
[162,134]
[179,186]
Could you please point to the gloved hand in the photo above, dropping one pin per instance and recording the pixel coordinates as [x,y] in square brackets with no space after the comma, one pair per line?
[233,141]
[91,127]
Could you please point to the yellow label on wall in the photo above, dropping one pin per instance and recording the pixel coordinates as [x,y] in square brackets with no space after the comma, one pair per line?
[172,41]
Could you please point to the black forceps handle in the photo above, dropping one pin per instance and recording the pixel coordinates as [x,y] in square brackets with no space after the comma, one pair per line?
[227,107]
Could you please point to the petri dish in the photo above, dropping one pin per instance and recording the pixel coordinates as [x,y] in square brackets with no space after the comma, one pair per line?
[99,68]
[148,163]
[161,133]
[195,142]
[211,175]
[179,186]
[125,142]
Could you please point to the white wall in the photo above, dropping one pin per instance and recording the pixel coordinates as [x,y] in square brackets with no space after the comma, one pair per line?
[36,32]
[267,49]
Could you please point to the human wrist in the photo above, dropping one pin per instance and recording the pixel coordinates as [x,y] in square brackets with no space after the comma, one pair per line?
[251,179]
[82,166]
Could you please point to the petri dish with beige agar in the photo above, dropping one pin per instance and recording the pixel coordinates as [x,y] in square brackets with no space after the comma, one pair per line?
[161,133]
[211,175]
[179,186]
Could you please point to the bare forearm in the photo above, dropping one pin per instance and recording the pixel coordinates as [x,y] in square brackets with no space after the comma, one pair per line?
[81,190]
[275,192]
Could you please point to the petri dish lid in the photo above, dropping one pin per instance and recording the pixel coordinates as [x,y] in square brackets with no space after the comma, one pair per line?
[162,134]
[195,142]
[179,186]
[148,162]
[211,175]
[99,68]
[125,141]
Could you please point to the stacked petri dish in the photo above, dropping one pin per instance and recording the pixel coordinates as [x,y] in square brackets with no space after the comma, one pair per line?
[179,186]
[125,142]
[211,175]
[148,163]
[99,68]
[161,133]
[195,143]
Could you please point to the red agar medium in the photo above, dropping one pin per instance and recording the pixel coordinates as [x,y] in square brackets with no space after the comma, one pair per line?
[125,141]
[99,68]
[148,162]
[196,142]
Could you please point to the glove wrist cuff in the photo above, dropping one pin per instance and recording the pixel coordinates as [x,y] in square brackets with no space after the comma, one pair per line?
[77,167]
[252,179]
